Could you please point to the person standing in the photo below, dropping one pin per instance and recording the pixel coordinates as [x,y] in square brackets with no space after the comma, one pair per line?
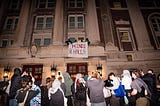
[79,91]
[24,95]
[115,101]
[68,83]
[56,94]
[126,81]
[140,89]
[15,86]
[36,101]
[150,79]
[95,86]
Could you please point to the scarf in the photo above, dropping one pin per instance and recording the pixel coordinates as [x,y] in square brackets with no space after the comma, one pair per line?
[55,86]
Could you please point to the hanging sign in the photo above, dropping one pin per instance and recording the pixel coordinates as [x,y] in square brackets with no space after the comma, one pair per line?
[78,49]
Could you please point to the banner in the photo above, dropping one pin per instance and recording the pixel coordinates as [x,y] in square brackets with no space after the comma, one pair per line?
[78,49]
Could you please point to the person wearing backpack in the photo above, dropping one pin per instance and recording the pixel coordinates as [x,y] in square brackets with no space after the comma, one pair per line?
[79,91]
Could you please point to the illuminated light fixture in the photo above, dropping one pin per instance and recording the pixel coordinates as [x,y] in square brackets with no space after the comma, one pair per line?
[6,71]
[99,69]
[53,70]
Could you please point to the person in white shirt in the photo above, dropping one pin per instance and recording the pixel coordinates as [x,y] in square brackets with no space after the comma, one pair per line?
[116,83]
[126,81]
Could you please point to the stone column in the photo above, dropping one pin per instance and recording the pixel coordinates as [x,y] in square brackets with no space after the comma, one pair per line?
[58,23]
[92,28]
[3,7]
[107,22]
[22,23]
[107,26]
[139,27]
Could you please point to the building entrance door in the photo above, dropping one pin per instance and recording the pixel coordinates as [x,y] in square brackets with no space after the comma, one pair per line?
[35,70]
[75,68]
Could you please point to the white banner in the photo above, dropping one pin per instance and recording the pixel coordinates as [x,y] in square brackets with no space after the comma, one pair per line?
[78,49]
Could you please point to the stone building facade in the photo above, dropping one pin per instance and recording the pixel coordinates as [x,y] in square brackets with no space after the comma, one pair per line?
[121,34]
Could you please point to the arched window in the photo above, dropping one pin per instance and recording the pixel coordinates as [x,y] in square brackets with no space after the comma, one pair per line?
[154,20]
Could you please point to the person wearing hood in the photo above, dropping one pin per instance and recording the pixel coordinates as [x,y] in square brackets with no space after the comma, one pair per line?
[36,101]
[126,81]
[79,91]
[15,85]
[56,94]
[68,83]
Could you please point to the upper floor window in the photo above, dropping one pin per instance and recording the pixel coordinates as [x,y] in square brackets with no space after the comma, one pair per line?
[42,41]
[149,3]
[76,21]
[11,23]
[46,3]
[44,22]
[15,4]
[37,41]
[4,43]
[118,4]
[75,3]
[155,26]
[125,39]
[47,41]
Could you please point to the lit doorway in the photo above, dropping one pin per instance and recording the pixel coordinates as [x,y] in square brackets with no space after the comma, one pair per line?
[75,68]
[35,70]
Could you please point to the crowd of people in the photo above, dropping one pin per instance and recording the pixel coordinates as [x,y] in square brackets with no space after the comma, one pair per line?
[86,90]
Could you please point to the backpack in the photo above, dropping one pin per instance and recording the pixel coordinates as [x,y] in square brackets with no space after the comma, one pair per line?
[80,93]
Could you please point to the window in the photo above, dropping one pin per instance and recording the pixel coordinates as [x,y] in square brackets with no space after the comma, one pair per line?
[46,3]
[44,22]
[11,23]
[76,21]
[47,41]
[118,4]
[12,42]
[15,4]
[125,37]
[35,70]
[4,43]
[75,3]
[155,26]
[75,68]
[149,3]
[37,41]
[41,41]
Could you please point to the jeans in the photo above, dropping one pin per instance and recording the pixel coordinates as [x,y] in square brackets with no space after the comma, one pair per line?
[13,102]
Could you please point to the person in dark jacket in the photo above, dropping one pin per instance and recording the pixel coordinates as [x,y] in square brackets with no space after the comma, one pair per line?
[79,91]
[150,79]
[21,93]
[56,94]
[3,94]
[15,85]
